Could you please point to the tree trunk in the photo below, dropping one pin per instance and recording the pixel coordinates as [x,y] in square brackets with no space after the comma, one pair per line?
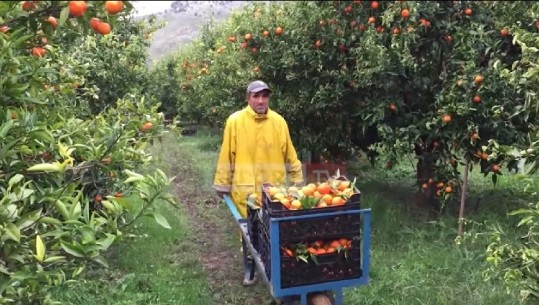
[463,199]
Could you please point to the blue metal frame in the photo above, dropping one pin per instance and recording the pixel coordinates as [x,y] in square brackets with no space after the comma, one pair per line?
[275,283]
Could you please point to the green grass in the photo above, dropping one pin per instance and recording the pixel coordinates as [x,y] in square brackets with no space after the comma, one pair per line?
[414,261]
[414,257]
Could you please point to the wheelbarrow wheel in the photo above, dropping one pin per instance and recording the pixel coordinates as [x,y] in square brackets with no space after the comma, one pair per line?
[320,299]
[316,298]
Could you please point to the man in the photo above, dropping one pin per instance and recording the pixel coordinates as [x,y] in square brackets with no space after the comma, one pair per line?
[256,149]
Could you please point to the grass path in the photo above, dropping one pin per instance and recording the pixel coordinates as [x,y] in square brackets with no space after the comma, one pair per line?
[214,231]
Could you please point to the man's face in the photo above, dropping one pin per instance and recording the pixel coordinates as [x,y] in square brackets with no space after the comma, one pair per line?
[259,101]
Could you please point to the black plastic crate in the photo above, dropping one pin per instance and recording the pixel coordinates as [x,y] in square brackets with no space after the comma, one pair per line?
[264,251]
[329,267]
[323,227]
[253,226]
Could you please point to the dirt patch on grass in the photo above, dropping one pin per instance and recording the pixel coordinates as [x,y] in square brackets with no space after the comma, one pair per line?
[213,231]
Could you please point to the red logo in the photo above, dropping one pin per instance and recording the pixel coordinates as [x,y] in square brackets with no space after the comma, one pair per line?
[320,172]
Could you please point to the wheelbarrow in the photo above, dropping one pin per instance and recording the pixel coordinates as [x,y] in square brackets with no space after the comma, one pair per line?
[319,292]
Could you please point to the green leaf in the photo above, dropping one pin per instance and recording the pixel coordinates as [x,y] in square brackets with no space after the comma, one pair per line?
[4,271]
[101,260]
[106,242]
[75,210]
[133,174]
[61,207]
[494,179]
[78,271]
[308,202]
[53,259]
[88,235]
[14,180]
[314,258]
[22,39]
[17,89]
[133,179]
[50,220]
[40,249]
[526,220]
[25,193]
[41,135]
[519,211]
[132,204]
[12,232]
[29,219]
[162,175]
[353,184]
[303,258]
[162,221]
[109,206]
[72,249]
[5,128]
[45,167]
[64,14]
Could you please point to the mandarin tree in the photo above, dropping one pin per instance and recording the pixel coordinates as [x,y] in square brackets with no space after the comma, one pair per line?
[390,77]
[69,179]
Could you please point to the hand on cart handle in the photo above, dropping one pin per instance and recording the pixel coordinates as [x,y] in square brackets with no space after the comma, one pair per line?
[223,194]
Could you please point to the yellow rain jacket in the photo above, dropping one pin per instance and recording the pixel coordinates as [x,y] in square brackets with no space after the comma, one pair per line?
[256,149]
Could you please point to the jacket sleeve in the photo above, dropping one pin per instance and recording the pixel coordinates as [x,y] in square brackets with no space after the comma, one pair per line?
[293,164]
[225,161]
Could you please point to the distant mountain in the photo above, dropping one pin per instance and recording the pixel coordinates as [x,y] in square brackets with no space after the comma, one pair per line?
[184,21]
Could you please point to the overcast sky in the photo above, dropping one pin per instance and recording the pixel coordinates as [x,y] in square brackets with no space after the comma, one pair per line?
[150,7]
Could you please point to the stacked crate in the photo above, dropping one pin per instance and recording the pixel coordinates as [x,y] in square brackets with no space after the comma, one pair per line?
[327,267]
